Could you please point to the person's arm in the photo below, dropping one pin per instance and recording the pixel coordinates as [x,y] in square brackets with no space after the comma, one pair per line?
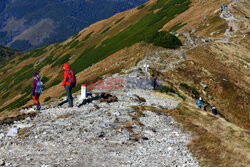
[65,78]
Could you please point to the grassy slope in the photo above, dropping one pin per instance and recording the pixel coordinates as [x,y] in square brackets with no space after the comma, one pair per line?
[81,52]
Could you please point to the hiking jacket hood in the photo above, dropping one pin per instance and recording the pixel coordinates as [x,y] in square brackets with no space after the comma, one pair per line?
[65,80]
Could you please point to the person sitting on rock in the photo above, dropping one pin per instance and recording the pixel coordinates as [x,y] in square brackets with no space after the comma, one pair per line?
[199,102]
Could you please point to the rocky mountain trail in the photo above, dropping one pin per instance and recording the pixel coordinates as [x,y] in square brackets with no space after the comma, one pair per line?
[128,132]
[231,21]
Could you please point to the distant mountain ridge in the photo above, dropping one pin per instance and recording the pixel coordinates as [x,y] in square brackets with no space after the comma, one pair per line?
[26,25]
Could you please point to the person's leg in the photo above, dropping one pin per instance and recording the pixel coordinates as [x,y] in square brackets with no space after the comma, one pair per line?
[37,99]
[69,96]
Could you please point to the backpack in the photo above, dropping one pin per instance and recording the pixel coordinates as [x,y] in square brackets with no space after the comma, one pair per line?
[39,86]
[71,78]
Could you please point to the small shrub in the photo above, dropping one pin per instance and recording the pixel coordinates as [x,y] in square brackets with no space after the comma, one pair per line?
[47,99]
[184,85]
[105,30]
[167,89]
[164,39]
[118,21]
[87,36]
[141,6]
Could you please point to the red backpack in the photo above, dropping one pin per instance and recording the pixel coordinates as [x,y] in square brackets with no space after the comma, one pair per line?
[71,78]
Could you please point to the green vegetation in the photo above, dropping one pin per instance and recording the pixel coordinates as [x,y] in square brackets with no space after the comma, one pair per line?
[87,36]
[38,52]
[46,61]
[7,53]
[137,32]
[62,60]
[28,89]
[47,99]
[119,20]
[74,44]
[184,85]
[194,91]
[17,103]
[19,87]
[45,79]
[81,44]
[76,35]
[105,30]
[176,27]
[24,57]
[166,89]
[54,82]
[164,39]
[24,74]
[140,7]
[5,95]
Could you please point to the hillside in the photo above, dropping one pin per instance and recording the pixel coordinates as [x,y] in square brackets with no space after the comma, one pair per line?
[27,25]
[7,53]
[212,63]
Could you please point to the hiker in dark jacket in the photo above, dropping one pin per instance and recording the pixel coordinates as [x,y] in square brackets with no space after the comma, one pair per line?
[36,90]
[154,83]
[67,85]
[214,110]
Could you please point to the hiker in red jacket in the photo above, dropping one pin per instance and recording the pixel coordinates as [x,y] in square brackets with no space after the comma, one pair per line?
[67,83]
[231,29]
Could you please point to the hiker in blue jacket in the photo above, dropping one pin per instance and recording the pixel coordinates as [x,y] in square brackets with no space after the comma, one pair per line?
[199,102]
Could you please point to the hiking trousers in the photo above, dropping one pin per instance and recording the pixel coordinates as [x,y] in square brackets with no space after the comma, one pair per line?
[36,100]
[68,89]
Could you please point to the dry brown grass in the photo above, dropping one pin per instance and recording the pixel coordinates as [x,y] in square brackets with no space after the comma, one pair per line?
[215,142]
[193,16]
[64,116]
[7,117]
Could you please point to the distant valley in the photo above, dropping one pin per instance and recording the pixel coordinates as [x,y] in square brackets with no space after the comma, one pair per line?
[26,25]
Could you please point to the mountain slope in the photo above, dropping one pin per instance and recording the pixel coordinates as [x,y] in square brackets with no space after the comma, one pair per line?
[84,49]
[7,53]
[213,65]
[26,25]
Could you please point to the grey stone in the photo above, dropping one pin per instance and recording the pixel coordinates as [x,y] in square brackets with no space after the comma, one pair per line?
[1,135]
[13,132]
[2,162]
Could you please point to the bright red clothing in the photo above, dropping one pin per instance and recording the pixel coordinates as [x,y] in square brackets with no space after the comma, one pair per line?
[66,73]
[35,99]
